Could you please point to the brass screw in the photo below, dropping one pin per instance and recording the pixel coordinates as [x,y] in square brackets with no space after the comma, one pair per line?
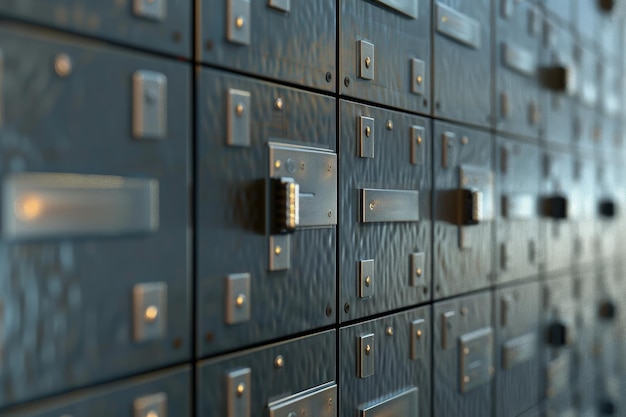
[389,331]
[241,299]
[419,140]
[372,204]
[464,311]
[418,272]
[239,22]
[63,65]
[444,19]
[368,131]
[464,140]
[240,389]
[277,164]
[368,281]
[277,250]
[419,79]
[368,349]
[239,109]
[418,333]
[466,379]
[152,413]
[466,351]
[151,313]
[389,125]
[278,104]
[368,62]
[279,362]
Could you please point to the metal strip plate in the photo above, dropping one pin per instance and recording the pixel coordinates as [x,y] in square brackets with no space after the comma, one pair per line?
[42,205]
[458,26]
[407,7]
[519,206]
[389,205]
[518,59]
[476,363]
[519,350]
[319,402]
[402,404]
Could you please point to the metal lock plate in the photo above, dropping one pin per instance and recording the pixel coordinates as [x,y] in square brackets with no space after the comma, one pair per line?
[151,406]
[238,390]
[519,350]
[319,402]
[150,9]
[518,59]
[402,404]
[237,298]
[389,205]
[448,329]
[315,170]
[476,359]
[366,137]
[238,21]
[417,273]
[458,26]
[418,75]
[366,278]
[418,143]
[238,114]
[448,140]
[149,311]
[519,207]
[365,357]
[149,105]
[418,348]
[478,183]
[280,252]
[366,59]
[282,5]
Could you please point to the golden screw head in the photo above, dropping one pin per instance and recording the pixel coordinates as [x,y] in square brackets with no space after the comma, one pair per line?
[278,250]
[418,333]
[151,313]
[389,331]
[277,164]
[240,300]
[152,413]
[279,104]
[368,349]
[239,109]
[239,22]
[368,281]
[368,131]
[241,388]
[418,272]
[419,79]
[63,65]
[419,140]
[279,362]
[368,62]
[389,125]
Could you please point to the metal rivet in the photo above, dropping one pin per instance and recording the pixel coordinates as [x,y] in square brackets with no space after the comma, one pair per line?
[389,331]
[466,351]
[330,401]
[277,250]
[330,213]
[152,413]
[368,281]
[330,167]
[466,379]
[419,140]
[368,349]
[279,104]
[419,333]
[418,272]
[444,19]
[372,204]
[239,22]
[368,62]
[241,299]
[464,311]
[464,140]
[239,109]
[63,65]
[368,131]
[419,79]
[240,389]
[491,370]
[279,362]
[277,164]
[389,125]
[151,313]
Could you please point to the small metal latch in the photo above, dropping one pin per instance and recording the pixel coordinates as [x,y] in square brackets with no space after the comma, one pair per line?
[154,405]
[282,5]
[238,22]
[149,105]
[418,136]
[418,345]
[149,311]
[417,269]
[365,357]
[151,9]
[366,59]
[238,115]
[280,252]
[418,69]
[447,329]
[366,137]
[237,298]
[366,278]
[238,392]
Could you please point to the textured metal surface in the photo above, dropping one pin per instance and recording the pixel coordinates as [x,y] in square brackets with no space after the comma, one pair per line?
[395,371]
[307,362]
[459,270]
[390,244]
[232,207]
[472,313]
[516,314]
[462,84]
[118,398]
[112,20]
[518,247]
[67,310]
[298,46]
[398,38]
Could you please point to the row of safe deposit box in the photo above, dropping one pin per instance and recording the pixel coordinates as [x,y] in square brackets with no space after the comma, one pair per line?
[312,208]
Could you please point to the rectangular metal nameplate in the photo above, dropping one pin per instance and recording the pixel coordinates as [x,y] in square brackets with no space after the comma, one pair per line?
[407,7]
[319,402]
[458,26]
[519,350]
[518,59]
[476,352]
[402,404]
[315,171]
[43,205]
[389,205]
[519,207]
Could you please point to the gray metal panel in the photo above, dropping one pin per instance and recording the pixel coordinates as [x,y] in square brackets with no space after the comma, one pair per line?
[298,47]
[394,371]
[517,318]
[584,209]
[557,178]
[518,247]
[564,10]
[389,244]
[113,21]
[459,270]
[463,74]
[397,39]
[517,107]
[80,291]
[233,215]
[307,362]
[587,17]
[472,313]
[117,399]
